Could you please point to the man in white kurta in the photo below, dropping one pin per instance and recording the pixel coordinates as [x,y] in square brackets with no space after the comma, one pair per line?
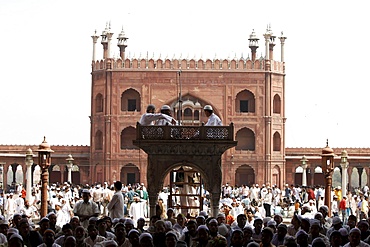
[86,208]
[136,210]
[116,205]
[213,119]
[9,208]
[149,117]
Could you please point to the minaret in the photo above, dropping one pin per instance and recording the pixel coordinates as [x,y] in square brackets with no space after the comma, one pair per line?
[95,38]
[253,44]
[122,44]
[282,42]
[104,41]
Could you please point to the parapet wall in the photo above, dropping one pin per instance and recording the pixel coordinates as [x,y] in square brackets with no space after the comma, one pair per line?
[186,64]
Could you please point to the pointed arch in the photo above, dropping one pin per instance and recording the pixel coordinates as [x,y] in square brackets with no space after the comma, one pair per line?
[130,174]
[277,104]
[276,176]
[277,142]
[99,103]
[245,175]
[246,139]
[98,140]
[130,100]
[127,136]
[245,101]
[194,105]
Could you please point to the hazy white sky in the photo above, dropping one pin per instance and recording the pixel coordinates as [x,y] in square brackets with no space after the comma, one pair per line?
[46,51]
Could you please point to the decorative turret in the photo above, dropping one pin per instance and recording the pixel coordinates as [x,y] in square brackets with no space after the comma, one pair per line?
[104,41]
[253,44]
[109,37]
[95,38]
[122,44]
[267,37]
[272,42]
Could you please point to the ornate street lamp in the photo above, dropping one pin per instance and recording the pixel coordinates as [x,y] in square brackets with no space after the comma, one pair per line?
[327,165]
[69,167]
[44,152]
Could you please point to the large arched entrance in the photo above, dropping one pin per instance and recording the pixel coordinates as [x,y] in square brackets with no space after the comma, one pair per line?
[55,175]
[14,176]
[245,175]
[298,175]
[130,174]
[319,177]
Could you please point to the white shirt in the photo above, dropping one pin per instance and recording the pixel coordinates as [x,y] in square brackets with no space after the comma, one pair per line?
[115,206]
[148,118]
[213,120]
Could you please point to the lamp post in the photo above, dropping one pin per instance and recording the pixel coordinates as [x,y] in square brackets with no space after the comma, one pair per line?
[29,163]
[327,163]
[304,166]
[44,152]
[344,164]
[69,167]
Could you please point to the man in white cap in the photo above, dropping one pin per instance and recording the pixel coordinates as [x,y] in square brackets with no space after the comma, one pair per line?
[213,119]
[10,206]
[149,117]
[86,208]
[166,110]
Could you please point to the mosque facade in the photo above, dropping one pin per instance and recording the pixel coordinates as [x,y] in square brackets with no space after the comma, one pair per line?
[248,92]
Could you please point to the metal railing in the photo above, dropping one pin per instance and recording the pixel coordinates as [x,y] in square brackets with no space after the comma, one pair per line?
[176,132]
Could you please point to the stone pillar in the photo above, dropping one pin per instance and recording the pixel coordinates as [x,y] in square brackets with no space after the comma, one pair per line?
[69,169]
[304,175]
[5,176]
[304,166]
[344,164]
[360,169]
[29,163]
[349,178]
[14,169]
[215,200]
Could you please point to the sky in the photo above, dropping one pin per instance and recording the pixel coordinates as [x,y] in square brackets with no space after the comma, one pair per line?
[46,52]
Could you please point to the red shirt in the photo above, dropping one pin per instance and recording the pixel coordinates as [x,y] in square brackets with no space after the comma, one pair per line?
[23,194]
[342,204]
[311,194]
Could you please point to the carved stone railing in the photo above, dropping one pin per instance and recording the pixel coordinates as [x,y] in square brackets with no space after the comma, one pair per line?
[175,132]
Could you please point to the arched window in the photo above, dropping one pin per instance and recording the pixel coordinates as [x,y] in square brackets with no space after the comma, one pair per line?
[196,115]
[245,101]
[188,114]
[246,140]
[99,140]
[277,104]
[56,168]
[299,169]
[127,136]
[277,142]
[130,100]
[318,169]
[99,103]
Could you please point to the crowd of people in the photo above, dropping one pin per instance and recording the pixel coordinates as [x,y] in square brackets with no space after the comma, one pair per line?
[117,215]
